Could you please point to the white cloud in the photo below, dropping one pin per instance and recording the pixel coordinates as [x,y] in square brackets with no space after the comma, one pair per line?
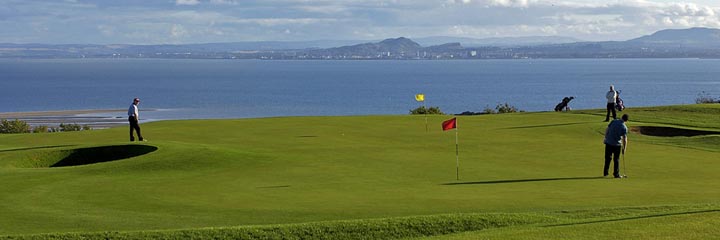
[178,31]
[224,2]
[511,3]
[229,20]
[106,30]
[187,2]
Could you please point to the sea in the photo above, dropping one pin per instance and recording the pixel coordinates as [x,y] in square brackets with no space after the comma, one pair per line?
[211,89]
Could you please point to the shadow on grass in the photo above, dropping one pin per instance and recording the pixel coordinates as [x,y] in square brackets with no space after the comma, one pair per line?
[548,125]
[522,180]
[33,148]
[670,131]
[282,186]
[633,218]
[84,156]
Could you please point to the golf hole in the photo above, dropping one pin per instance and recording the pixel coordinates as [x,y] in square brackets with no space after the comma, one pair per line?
[91,155]
[670,131]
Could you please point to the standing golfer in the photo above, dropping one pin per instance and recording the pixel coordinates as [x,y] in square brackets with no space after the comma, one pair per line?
[615,143]
[611,100]
[133,119]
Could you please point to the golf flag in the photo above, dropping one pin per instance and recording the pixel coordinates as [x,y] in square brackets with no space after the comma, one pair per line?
[420,97]
[449,124]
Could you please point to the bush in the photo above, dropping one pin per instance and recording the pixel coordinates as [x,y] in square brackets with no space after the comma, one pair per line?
[41,129]
[489,110]
[506,108]
[423,110]
[71,127]
[15,126]
[704,97]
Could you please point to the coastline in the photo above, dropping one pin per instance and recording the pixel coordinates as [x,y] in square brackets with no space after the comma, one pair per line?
[95,118]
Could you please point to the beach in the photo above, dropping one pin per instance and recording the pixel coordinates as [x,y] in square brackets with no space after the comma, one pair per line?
[96,118]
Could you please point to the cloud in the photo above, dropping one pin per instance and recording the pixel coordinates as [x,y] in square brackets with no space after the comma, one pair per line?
[178,31]
[187,2]
[192,21]
[511,3]
[224,2]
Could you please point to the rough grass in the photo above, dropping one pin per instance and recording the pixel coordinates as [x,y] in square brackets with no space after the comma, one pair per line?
[635,223]
[214,174]
[390,228]
[631,222]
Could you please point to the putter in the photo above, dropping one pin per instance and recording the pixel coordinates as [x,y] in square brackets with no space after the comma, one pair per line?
[624,175]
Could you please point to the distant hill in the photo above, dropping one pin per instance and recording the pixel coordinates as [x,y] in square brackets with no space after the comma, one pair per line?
[692,37]
[392,46]
[671,43]
[498,41]
[272,45]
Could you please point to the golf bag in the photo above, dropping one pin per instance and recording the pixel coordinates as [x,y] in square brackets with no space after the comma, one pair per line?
[564,104]
[619,105]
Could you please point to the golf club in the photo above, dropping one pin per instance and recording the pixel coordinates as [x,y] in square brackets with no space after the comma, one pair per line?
[624,175]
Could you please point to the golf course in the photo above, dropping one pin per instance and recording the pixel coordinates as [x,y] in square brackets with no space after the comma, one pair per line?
[528,175]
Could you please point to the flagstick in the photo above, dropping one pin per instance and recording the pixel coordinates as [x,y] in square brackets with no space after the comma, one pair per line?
[457,158]
[426,110]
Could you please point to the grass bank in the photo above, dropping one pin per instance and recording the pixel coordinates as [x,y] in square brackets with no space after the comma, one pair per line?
[214,174]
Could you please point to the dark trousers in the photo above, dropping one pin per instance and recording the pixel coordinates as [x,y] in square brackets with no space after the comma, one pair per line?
[614,152]
[134,125]
[610,107]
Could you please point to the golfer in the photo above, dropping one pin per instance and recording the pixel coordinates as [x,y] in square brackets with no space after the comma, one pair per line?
[615,143]
[611,101]
[133,119]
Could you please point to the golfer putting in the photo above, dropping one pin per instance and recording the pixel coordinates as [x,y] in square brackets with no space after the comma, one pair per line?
[615,144]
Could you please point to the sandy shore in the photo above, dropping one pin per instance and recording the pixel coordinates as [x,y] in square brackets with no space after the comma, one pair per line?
[96,118]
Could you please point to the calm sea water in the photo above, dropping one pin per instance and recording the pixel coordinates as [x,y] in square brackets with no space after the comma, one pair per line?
[187,89]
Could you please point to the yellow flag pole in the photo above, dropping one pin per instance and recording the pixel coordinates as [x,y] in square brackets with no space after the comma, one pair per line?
[426,112]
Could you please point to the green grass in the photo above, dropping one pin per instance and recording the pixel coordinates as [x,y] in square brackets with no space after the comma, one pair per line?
[664,223]
[286,173]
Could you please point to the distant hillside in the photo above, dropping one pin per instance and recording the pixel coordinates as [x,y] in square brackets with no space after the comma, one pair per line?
[498,42]
[672,43]
[692,37]
[392,46]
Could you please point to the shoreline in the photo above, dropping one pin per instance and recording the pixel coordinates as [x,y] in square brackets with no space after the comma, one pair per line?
[94,118]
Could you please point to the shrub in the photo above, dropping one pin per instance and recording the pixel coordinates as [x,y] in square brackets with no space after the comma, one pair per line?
[506,108]
[15,126]
[704,97]
[423,110]
[41,129]
[71,127]
[488,110]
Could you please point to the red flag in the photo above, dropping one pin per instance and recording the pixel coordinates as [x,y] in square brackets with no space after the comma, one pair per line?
[449,124]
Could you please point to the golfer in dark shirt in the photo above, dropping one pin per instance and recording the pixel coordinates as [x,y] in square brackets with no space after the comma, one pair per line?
[615,143]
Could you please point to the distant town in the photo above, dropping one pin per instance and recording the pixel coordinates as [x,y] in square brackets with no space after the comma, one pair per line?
[673,43]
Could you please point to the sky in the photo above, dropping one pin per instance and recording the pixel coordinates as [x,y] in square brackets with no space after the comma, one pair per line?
[210,21]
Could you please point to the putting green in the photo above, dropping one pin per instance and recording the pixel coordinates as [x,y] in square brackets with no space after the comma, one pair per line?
[214,173]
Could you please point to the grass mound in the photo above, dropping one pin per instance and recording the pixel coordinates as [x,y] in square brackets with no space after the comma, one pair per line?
[83,156]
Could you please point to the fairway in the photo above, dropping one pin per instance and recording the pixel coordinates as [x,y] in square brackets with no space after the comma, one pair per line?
[291,170]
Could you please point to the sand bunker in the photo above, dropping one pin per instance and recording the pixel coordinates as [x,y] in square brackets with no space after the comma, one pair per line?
[669,131]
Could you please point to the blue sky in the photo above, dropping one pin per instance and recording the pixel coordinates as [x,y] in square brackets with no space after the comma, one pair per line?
[203,21]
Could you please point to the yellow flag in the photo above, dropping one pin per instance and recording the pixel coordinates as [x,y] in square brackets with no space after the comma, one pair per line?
[419,97]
